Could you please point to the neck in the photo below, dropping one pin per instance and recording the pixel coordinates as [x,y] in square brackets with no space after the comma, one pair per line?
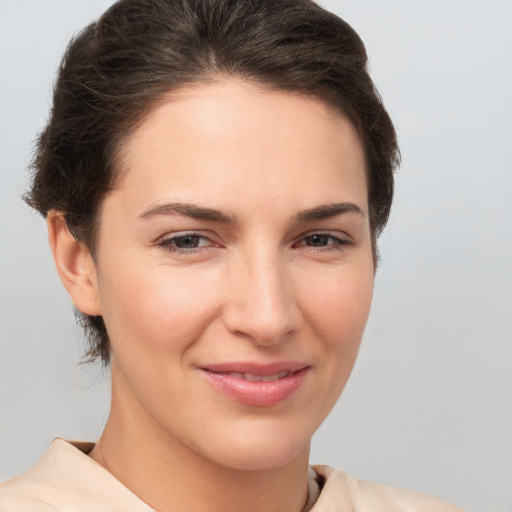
[171,476]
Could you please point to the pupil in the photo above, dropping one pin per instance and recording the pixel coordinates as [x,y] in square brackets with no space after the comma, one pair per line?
[187,242]
[319,240]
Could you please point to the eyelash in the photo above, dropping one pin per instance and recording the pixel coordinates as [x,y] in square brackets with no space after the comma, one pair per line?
[338,245]
[170,244]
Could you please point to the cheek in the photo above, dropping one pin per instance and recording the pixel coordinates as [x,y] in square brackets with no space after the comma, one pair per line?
[158,310]
[335,312]
[339,305]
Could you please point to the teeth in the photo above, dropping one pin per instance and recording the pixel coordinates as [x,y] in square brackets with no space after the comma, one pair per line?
[251,377]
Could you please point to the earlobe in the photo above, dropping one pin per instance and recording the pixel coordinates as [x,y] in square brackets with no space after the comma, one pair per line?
[75,265]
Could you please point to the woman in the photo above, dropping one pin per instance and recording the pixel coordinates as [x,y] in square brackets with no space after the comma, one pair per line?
[214,175]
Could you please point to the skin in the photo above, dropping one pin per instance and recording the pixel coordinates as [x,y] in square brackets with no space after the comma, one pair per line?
[254,285]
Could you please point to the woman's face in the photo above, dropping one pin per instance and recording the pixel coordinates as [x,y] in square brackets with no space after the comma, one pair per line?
[235,271]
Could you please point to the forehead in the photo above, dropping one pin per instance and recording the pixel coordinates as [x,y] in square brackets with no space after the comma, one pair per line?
[224,139]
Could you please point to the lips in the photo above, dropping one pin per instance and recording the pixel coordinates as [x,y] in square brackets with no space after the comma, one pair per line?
[252,377]
[254,384]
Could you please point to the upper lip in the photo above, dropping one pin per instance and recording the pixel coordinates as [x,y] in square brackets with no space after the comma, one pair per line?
[256,368]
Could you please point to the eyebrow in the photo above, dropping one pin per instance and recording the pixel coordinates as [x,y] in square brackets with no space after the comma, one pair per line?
[328,211]
[189,210]
[193,211]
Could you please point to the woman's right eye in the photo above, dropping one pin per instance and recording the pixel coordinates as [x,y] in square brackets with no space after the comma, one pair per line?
[185,243]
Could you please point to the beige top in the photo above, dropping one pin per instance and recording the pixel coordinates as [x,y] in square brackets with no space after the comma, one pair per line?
[67,480]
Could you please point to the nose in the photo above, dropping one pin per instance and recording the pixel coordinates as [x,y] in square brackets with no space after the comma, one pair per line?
[261,304]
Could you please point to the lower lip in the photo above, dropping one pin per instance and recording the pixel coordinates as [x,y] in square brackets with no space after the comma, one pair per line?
[256,394]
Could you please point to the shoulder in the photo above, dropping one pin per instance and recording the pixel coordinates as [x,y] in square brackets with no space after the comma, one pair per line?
[66,479]
[15,503]
[341,491]
[39,488]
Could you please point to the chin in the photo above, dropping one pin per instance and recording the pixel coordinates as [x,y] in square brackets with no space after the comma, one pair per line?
[263,460]
[257,451]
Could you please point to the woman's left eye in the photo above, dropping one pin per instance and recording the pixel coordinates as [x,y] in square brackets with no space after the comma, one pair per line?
[320,240]
[186,242]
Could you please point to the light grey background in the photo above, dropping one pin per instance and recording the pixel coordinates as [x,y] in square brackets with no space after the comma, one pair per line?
[429,405]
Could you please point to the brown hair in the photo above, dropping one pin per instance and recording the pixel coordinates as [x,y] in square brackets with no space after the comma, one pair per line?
[116,70]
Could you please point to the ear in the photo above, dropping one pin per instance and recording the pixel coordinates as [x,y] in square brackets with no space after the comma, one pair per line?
[75,265]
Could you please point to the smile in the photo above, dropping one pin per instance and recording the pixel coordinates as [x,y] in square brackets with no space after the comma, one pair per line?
[257,386]
[252,377]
